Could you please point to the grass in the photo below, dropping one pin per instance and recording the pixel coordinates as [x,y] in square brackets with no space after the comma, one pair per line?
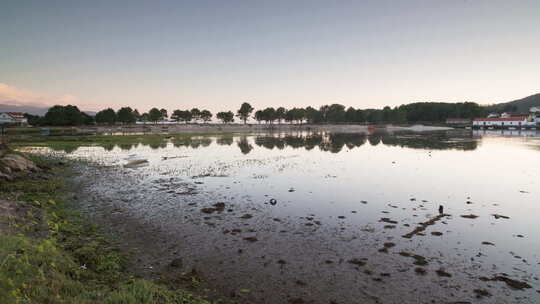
[50,254]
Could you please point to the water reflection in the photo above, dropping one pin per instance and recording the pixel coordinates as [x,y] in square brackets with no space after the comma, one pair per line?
[327,142]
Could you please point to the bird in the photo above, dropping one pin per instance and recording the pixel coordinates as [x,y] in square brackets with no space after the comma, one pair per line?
[441,209]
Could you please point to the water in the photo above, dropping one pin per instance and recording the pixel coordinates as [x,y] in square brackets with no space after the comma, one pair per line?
[317,201]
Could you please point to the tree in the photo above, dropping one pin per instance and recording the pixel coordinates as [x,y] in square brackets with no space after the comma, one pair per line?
[350,115]
[259,116]
[335,113]
[195,114]
[280,114]
[244,112]
[34,120]
[64,116]
[206,115]
[145,117]
[225,117]
[312,115]
[136,114]
[186,116]
[125,115]
[176,115]
[155,115]
[269,115]
[163,113]
[88,119]
[107,116]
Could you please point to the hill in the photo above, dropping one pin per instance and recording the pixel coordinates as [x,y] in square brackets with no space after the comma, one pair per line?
[34,110]
[520,105]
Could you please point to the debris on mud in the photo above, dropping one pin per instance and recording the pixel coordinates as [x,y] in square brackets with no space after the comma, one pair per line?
[480,293]
[418,259]
[488,243]
[420,271]
[387,220]
[217,207]
[442,273]
[469,216]
[423,226]
[246,216]
[515,284]
[358,262]
[498,216]
[177,263]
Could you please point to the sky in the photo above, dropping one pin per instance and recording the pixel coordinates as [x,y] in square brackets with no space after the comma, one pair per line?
[293,53]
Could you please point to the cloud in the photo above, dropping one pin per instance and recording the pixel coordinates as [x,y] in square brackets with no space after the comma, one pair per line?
[14,96]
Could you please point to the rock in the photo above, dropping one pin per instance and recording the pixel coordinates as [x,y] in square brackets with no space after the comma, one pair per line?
[17,162]
[6,177]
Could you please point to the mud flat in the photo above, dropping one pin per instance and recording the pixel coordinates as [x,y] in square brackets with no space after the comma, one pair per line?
[354,228]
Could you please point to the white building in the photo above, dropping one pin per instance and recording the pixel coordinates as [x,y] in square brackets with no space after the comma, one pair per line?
[518,121]
[13,118]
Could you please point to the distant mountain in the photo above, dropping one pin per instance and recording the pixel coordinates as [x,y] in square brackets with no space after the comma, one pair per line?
[519,105]
[34,110]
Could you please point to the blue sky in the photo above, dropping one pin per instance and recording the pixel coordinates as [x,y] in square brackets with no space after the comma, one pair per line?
[217,54]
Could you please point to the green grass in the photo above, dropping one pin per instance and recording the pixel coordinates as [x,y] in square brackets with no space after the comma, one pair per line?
[51,254]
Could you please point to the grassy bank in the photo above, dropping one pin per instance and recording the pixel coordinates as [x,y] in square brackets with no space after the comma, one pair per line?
[50,254]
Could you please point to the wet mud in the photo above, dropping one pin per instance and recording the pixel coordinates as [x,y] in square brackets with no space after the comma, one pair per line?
[253,240]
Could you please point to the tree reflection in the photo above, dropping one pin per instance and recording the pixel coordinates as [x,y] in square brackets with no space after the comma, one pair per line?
[244,145]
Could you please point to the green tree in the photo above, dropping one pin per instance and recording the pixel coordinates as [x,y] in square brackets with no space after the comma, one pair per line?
[313,115]
[259,116]
[225,117]
[125,115]
[163,113]
[206,116]
[195,114]
[350,115]
[137,115]
[155,115]
[176,115]
[269,115]
[107,116]
[244,112]
[145,117]
[280,114]
[64,116]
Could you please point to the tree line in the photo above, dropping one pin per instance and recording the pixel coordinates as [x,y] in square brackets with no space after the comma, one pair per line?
[327,114]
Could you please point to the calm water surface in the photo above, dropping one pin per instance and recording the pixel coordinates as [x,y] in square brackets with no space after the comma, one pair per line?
[319,201]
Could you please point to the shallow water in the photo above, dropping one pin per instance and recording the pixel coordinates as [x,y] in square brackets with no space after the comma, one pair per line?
[317,201]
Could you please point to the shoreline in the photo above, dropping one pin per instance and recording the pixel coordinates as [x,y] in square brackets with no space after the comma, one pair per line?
[50,251]
[220,128]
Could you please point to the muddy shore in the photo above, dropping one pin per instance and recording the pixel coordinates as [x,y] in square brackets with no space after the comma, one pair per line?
[245,251]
